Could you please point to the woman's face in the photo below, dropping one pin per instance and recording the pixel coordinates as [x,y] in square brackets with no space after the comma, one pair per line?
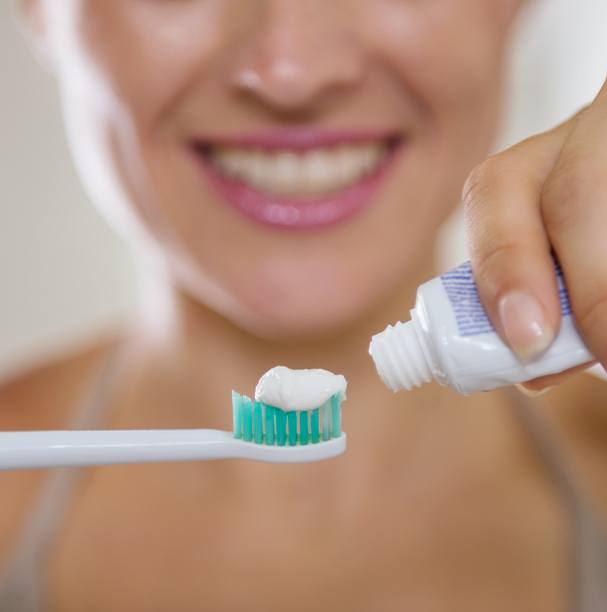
[291,158]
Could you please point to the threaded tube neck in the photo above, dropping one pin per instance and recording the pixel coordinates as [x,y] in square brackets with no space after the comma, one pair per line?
[399,357]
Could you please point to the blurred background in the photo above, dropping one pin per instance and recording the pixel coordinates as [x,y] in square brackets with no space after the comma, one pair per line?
[65,276]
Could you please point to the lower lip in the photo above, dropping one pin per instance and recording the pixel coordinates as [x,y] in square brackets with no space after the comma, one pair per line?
[295,213]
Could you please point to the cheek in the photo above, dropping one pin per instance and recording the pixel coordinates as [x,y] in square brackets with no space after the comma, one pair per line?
[122,68]
[448,57]
[446,54]
[146,54]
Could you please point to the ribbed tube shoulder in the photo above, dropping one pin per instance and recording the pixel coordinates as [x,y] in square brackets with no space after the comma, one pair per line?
[399,357]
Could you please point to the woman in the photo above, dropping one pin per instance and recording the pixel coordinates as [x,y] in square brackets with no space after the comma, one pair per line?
[282,166]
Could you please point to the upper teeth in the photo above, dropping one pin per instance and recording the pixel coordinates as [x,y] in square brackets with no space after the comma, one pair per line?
[288,173]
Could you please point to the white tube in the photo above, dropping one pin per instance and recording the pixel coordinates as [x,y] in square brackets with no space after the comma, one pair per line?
[451,340]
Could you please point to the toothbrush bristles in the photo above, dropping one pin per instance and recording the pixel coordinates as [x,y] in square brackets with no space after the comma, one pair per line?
[263,424]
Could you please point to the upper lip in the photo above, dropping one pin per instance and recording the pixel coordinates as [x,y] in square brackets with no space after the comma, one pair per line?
[297,139]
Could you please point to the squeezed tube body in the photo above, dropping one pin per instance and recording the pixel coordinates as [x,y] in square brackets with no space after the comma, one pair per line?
[451,340]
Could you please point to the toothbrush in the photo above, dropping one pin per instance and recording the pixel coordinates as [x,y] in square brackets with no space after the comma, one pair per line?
[261,433]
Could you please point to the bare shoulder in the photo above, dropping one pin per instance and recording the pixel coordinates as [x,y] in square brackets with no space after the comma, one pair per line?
[579,410]
[41,397]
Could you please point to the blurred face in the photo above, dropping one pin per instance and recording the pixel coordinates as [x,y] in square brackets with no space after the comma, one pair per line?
[292,159]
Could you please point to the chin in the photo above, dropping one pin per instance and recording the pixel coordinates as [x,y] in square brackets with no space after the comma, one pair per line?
[298,316]
[312,303]
[305,325]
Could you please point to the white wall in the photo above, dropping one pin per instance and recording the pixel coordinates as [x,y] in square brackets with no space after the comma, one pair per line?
[63,274]
[559,63]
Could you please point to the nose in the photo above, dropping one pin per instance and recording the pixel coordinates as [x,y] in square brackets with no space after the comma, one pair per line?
[299,53]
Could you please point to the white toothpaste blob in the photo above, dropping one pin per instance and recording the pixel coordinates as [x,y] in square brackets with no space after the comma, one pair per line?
[290,390]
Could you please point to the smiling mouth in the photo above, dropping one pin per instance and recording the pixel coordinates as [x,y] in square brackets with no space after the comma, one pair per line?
[301,179]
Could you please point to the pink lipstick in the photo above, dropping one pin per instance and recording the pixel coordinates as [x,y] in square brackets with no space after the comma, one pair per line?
[308,196]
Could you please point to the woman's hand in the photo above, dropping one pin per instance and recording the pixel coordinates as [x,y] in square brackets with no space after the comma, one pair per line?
[546,193]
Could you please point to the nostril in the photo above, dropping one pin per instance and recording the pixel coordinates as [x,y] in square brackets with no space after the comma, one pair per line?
[201,147]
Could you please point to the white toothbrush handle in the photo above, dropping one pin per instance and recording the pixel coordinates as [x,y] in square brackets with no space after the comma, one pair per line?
[48,449]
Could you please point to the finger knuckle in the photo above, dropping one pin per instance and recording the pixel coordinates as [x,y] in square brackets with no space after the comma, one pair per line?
[565,195]
[482,179]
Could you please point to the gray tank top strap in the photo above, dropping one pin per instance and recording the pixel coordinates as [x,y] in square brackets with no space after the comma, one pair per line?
[588,555]
[22,587]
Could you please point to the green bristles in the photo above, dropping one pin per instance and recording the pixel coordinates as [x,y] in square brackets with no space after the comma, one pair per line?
[270,427]
[326,421]
[314,425]
[263,424]
[303,427]
[292,421]
[236,415]
[246,406]
[258,424]
[281,427]
[336,416]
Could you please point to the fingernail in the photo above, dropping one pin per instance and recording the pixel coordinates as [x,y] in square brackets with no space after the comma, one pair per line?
[531,392]
[524,325]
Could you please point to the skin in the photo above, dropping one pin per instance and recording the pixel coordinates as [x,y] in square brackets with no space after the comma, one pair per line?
[410,520]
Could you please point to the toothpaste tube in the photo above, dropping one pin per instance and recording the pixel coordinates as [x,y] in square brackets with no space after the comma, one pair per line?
[450,339]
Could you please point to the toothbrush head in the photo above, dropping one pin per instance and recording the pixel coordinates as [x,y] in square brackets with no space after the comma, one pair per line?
[267,425]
